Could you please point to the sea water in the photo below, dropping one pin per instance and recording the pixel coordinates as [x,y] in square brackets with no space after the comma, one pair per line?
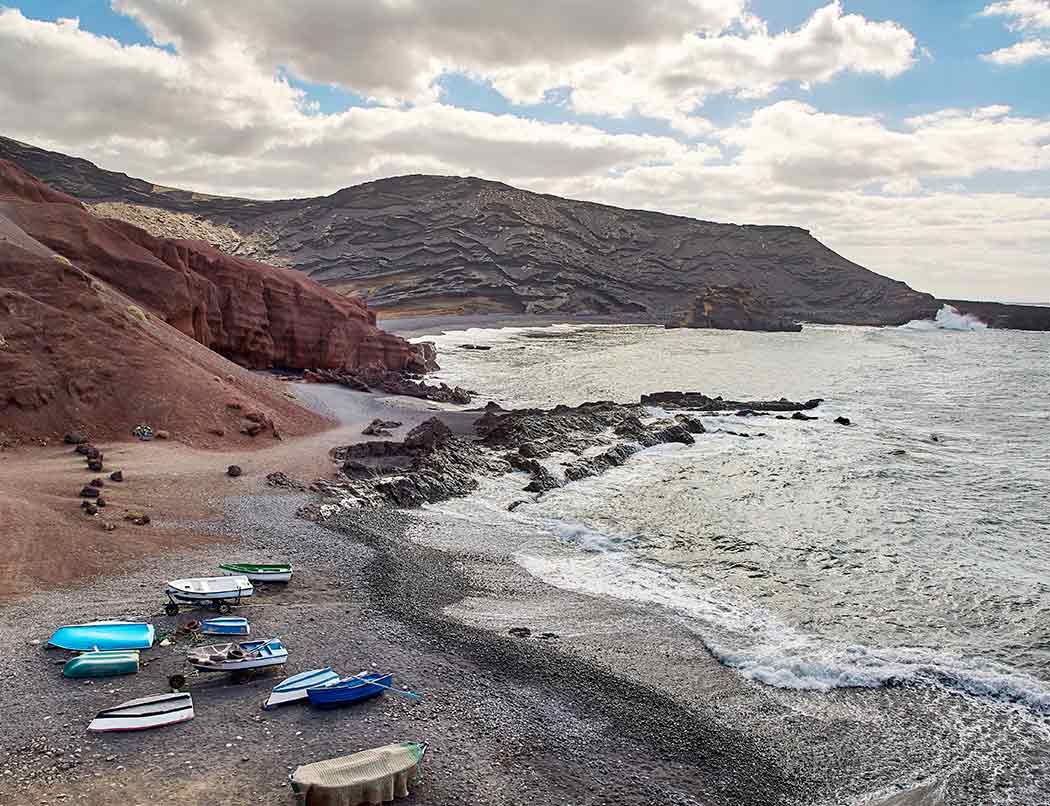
[910,546]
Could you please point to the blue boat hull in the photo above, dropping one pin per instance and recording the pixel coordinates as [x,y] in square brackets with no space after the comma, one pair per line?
[103,635]
[348,692]
[226,626]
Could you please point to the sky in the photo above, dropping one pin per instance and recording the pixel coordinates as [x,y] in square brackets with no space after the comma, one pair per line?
[911,136]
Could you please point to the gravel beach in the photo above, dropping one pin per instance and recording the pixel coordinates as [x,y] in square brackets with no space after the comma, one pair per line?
[605,702]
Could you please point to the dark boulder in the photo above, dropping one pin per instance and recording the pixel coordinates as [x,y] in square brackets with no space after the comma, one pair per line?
[428,435]
[97,483]
[798,415]
[116,475]
[475,347]
[675,433]
[95,465]
[233,471]
[843,421]
[520,632]
[89,492]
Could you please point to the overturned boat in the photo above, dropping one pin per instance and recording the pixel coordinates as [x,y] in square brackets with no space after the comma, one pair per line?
[103,664]
[144,713]
[103,635]
[371,776]
[350,689]
[294,688]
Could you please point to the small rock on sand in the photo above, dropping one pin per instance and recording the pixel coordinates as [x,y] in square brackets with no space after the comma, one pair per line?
[233,471]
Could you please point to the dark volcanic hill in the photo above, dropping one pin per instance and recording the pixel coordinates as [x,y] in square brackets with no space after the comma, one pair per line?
[417,245]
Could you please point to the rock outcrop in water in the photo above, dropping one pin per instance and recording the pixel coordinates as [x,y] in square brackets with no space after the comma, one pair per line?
[434,463]
[450,245]
[103,326]
[733,308]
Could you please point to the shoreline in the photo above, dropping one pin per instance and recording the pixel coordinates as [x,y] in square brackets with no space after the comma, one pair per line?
[415,327]
[624,706]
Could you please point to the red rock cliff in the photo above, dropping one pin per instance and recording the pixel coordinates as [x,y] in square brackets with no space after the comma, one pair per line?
[256,315]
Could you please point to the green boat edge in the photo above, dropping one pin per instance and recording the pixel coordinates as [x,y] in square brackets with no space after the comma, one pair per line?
[124,661]
[257,568]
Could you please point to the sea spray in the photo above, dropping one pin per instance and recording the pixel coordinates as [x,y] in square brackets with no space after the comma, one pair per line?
[947,318]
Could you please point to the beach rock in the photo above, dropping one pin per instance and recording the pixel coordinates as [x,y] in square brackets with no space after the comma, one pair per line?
[84,448]
[514,505]
[843,420]
[94,465]
[89,492]
[91,509]
[475,347]
[428,434]
[520,632]
[282,481]
[100,501]
[162,434]
[233,471]
[218,432]
[116,475]
[698,401]
[75,438]
[675,433]
[690,424]
[97,483]
[379,428]
[798,415]
[108,526]
[252,429]
[367,379]
[532,451]
[426,352]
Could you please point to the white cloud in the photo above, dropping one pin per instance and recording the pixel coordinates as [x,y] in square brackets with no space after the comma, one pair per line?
[1023,15]
[1026,50]
[1028,17]
[223,120]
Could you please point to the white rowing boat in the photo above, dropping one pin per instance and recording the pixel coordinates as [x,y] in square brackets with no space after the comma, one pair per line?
[203,589]
[294,688]
[144,713]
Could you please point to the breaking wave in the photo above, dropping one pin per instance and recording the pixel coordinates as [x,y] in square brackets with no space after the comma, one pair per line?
[947,318]
[758,645]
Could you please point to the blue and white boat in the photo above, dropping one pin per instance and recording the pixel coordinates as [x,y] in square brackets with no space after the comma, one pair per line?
[295,687]
[350,689]
[239,657]
[103,635]
[226,625]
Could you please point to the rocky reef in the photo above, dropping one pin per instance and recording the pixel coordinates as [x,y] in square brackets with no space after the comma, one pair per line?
[419,245]
[727,307]
[552,447]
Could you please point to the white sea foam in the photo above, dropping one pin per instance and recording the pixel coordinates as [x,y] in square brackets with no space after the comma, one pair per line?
[948,318]
[757,644]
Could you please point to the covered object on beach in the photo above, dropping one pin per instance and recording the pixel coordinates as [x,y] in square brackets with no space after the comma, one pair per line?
[371,776]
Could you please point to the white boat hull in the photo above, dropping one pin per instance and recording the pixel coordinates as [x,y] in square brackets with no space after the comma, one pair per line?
[204,589]
[277,576]
[294,688]
[238,665]
[145,713]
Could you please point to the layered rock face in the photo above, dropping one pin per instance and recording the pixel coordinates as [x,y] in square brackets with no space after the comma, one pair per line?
[416,245]
[732,308]
[103,327]
[256,315]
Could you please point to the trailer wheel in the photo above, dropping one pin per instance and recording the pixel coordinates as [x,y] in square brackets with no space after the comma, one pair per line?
[171,609]
[177,682]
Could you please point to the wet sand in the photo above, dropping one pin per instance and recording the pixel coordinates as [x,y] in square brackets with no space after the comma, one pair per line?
[623,706]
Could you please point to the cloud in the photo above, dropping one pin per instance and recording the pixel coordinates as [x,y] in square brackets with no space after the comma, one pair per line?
[214,112]
[1023,15]
[1028,17]
[1026,50]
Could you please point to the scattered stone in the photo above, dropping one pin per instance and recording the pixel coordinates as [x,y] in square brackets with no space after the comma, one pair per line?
[898,452]
[234,404]
[162,434]
[97,483]
[108,527]
[548,635]
[233,471]
[520,632]
[798,415]
[142,521]
[514,505]
[379,428]
[475,347]
[843,420]
[252,428]
[74,438]
[219,432]
[94,465]
[89,492]
[91,509]
[284,481]
[116,475]
[365,379]
[84,448]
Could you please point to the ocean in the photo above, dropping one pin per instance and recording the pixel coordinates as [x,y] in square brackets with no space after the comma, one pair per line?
[911,547]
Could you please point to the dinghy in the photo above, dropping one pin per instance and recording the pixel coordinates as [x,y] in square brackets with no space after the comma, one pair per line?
[198,589]
[103,635]
[226,625]
[239,657]
[350,690]
[102,664]
[260,572]
[371,776]
[294,688]
[145,713]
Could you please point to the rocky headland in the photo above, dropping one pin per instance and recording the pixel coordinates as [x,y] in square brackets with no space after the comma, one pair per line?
[435,245]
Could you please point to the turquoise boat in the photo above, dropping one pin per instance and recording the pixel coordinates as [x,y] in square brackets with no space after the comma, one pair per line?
[102,664]
[103,635]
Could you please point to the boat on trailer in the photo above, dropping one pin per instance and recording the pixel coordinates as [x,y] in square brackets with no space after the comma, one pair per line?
[239,657]
[226,625]
[103,635]
[222,592]
[350,689]
[294,688]
[103,664]
[260,572]
[145,713]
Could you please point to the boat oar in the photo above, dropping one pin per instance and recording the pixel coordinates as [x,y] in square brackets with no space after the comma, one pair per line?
[410,694]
